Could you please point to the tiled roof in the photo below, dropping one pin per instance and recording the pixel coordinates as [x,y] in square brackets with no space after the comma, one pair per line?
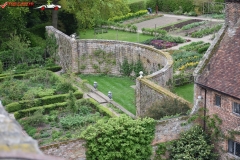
[222,73]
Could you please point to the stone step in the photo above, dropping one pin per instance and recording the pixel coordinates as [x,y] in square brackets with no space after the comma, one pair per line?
[97,98]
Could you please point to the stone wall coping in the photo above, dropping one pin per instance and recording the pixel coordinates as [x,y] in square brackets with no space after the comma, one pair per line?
[205,59]
[160,89]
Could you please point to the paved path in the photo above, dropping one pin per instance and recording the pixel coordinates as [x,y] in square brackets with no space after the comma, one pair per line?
[168,19]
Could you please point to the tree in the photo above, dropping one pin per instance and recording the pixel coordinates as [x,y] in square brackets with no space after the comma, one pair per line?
[120,138]
[89,12]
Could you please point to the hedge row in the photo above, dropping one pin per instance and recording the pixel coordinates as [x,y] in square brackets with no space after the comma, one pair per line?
[137,6]
[97,106]
[47,108]
[171,5]
[128,16]
[27,104]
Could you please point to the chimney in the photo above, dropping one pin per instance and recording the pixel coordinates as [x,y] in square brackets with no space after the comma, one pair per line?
[232,12]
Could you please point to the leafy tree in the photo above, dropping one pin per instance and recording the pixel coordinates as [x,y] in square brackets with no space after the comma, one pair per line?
[89,12]
[126,68]
[193,145]
[120,138]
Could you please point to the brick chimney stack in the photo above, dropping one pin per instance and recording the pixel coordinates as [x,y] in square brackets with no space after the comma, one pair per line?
[232,12]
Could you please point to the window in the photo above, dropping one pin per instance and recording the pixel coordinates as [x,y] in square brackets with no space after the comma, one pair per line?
[217,100]
[234,148]
[236,107]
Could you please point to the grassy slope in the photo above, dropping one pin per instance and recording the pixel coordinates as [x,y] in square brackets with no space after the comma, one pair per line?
[120,88]
[185,92]
[115,35]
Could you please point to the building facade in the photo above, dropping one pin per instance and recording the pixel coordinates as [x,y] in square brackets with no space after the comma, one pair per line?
[217,81]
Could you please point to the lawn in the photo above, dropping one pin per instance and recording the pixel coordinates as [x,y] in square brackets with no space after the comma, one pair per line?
[120,87]
[185,91]
[115,35]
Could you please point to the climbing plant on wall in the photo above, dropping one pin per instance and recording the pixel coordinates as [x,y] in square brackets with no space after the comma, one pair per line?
[120,138]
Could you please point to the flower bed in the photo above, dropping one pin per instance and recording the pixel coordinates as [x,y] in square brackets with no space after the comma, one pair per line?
[161,44]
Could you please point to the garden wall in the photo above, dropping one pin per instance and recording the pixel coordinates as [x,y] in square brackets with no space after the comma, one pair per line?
[83,56]
[80,56]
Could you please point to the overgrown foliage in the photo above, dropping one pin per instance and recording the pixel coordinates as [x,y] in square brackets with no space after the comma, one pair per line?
[193,144]
[128,68]
[166,107]
[120,138]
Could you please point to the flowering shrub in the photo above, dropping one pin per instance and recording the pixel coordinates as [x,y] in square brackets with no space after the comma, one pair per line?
[161,44]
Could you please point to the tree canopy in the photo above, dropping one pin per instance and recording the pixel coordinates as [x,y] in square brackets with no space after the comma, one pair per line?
[90,12]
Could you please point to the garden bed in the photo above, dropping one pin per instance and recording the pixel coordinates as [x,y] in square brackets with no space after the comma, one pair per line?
[180,25]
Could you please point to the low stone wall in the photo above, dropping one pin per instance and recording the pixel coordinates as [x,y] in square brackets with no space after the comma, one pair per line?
[168,130]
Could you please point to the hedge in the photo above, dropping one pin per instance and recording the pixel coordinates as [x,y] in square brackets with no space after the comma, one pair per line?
[97,106]
[137,6]
[171,5]
[46,109]
[16,106]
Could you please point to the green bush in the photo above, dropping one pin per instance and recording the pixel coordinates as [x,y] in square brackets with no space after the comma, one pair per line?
[166,107]
[46,108]
[136,6]
[56,134]
[16,106]
[128,16]
[120,138]
[54,68]
[193,144]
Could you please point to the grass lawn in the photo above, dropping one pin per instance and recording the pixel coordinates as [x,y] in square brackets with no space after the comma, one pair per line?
[120,87]
[185,91]
[115,35]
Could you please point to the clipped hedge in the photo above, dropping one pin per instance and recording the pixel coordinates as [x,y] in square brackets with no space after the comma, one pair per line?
[94,104]
[171,5]
[54,68]
[128,16]
[16,106]
[137,6]
[46,109]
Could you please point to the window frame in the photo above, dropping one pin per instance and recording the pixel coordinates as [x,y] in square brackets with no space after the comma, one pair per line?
[233,109]
[218,99]
[232,148]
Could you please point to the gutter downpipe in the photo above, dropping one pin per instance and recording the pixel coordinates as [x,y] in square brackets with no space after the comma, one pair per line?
[205,108]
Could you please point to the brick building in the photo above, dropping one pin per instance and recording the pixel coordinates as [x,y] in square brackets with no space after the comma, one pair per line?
[217,80]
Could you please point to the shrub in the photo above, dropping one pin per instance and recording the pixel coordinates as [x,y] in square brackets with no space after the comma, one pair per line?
[46,108]
[136,6]
[166,107]
[120,138]
[16,106]
[78,120]
[56,134]
[193,144]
